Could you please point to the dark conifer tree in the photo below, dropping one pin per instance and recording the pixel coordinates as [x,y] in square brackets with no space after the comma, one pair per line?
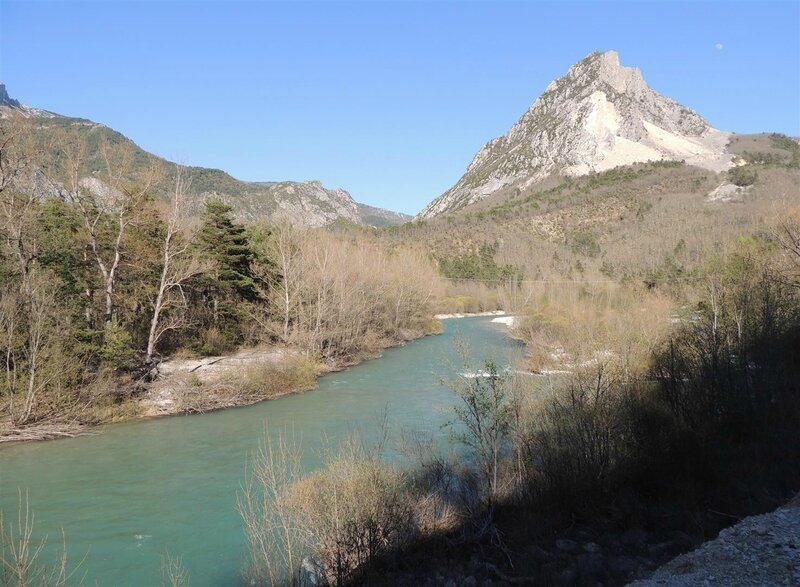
[229,282]
[225,242]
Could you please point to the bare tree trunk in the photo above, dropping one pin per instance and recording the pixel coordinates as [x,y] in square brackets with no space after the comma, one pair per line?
[111,277]
[124,198]
[176,270]
[39,304]
[17,151]
[87,312]
[151,337]
[10,308]
[287,254]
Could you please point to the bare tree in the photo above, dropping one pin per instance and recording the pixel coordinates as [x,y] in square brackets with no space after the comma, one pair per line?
[275,539]
[179,265]
[16,150]
[18,206]
[40,332]
[21,554]
[788,236]
[25,315]
[279,269]
[11,317]
[287,250]
[342,297]
[173,573]
[122,193]
[17,214]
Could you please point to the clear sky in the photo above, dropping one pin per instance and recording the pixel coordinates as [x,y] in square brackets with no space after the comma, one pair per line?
[387,100]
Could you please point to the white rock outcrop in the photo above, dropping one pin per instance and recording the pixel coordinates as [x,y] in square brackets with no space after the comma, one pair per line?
[311,204]
[598,116]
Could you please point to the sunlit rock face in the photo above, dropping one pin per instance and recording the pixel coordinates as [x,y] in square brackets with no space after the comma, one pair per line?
[598,116]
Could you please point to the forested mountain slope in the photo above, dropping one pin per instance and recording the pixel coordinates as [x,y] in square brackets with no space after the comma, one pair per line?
[307,203]
[651,220]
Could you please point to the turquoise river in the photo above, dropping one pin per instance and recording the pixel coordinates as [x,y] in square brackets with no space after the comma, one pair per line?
[138,490]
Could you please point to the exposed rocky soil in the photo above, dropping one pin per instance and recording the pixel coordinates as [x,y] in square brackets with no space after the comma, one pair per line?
[178,380]
[759,550]
[727,192]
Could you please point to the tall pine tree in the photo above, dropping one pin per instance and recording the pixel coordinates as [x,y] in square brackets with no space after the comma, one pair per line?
[229,282]
[225,243]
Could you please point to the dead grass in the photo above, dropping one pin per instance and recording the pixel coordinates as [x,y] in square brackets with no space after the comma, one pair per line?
[295,372]
[250,384]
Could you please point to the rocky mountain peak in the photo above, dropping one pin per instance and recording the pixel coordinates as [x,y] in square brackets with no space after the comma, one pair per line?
[9,107]
[604,72]
[604,69]
[597,116]
[5,99]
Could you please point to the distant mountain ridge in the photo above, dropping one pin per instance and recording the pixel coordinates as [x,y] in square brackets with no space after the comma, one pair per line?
[306,203]
[598,116]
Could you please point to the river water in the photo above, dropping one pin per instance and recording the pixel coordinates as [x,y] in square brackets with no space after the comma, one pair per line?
[136,491]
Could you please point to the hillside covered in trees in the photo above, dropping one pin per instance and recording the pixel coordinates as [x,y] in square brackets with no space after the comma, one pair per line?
[657,402]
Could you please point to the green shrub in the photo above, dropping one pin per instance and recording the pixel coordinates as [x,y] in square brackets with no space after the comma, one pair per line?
[483,420]
[584,243]
[117,350]
[743,176]
[781,141]
[479,265]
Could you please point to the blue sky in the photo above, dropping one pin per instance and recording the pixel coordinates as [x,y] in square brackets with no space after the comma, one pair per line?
[387,100]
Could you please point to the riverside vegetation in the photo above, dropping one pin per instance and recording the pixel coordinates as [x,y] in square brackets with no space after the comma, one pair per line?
[98,287]
[666,407]
[661,428]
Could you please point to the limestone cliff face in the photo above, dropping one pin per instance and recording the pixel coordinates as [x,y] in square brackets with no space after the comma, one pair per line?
[311,204]
[598,116]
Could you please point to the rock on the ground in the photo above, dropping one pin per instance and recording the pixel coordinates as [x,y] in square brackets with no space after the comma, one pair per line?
[726,192]
[178,378]
[758,551]
[507,320]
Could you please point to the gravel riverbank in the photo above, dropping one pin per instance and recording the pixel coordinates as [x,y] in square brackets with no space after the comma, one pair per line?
[758,551]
